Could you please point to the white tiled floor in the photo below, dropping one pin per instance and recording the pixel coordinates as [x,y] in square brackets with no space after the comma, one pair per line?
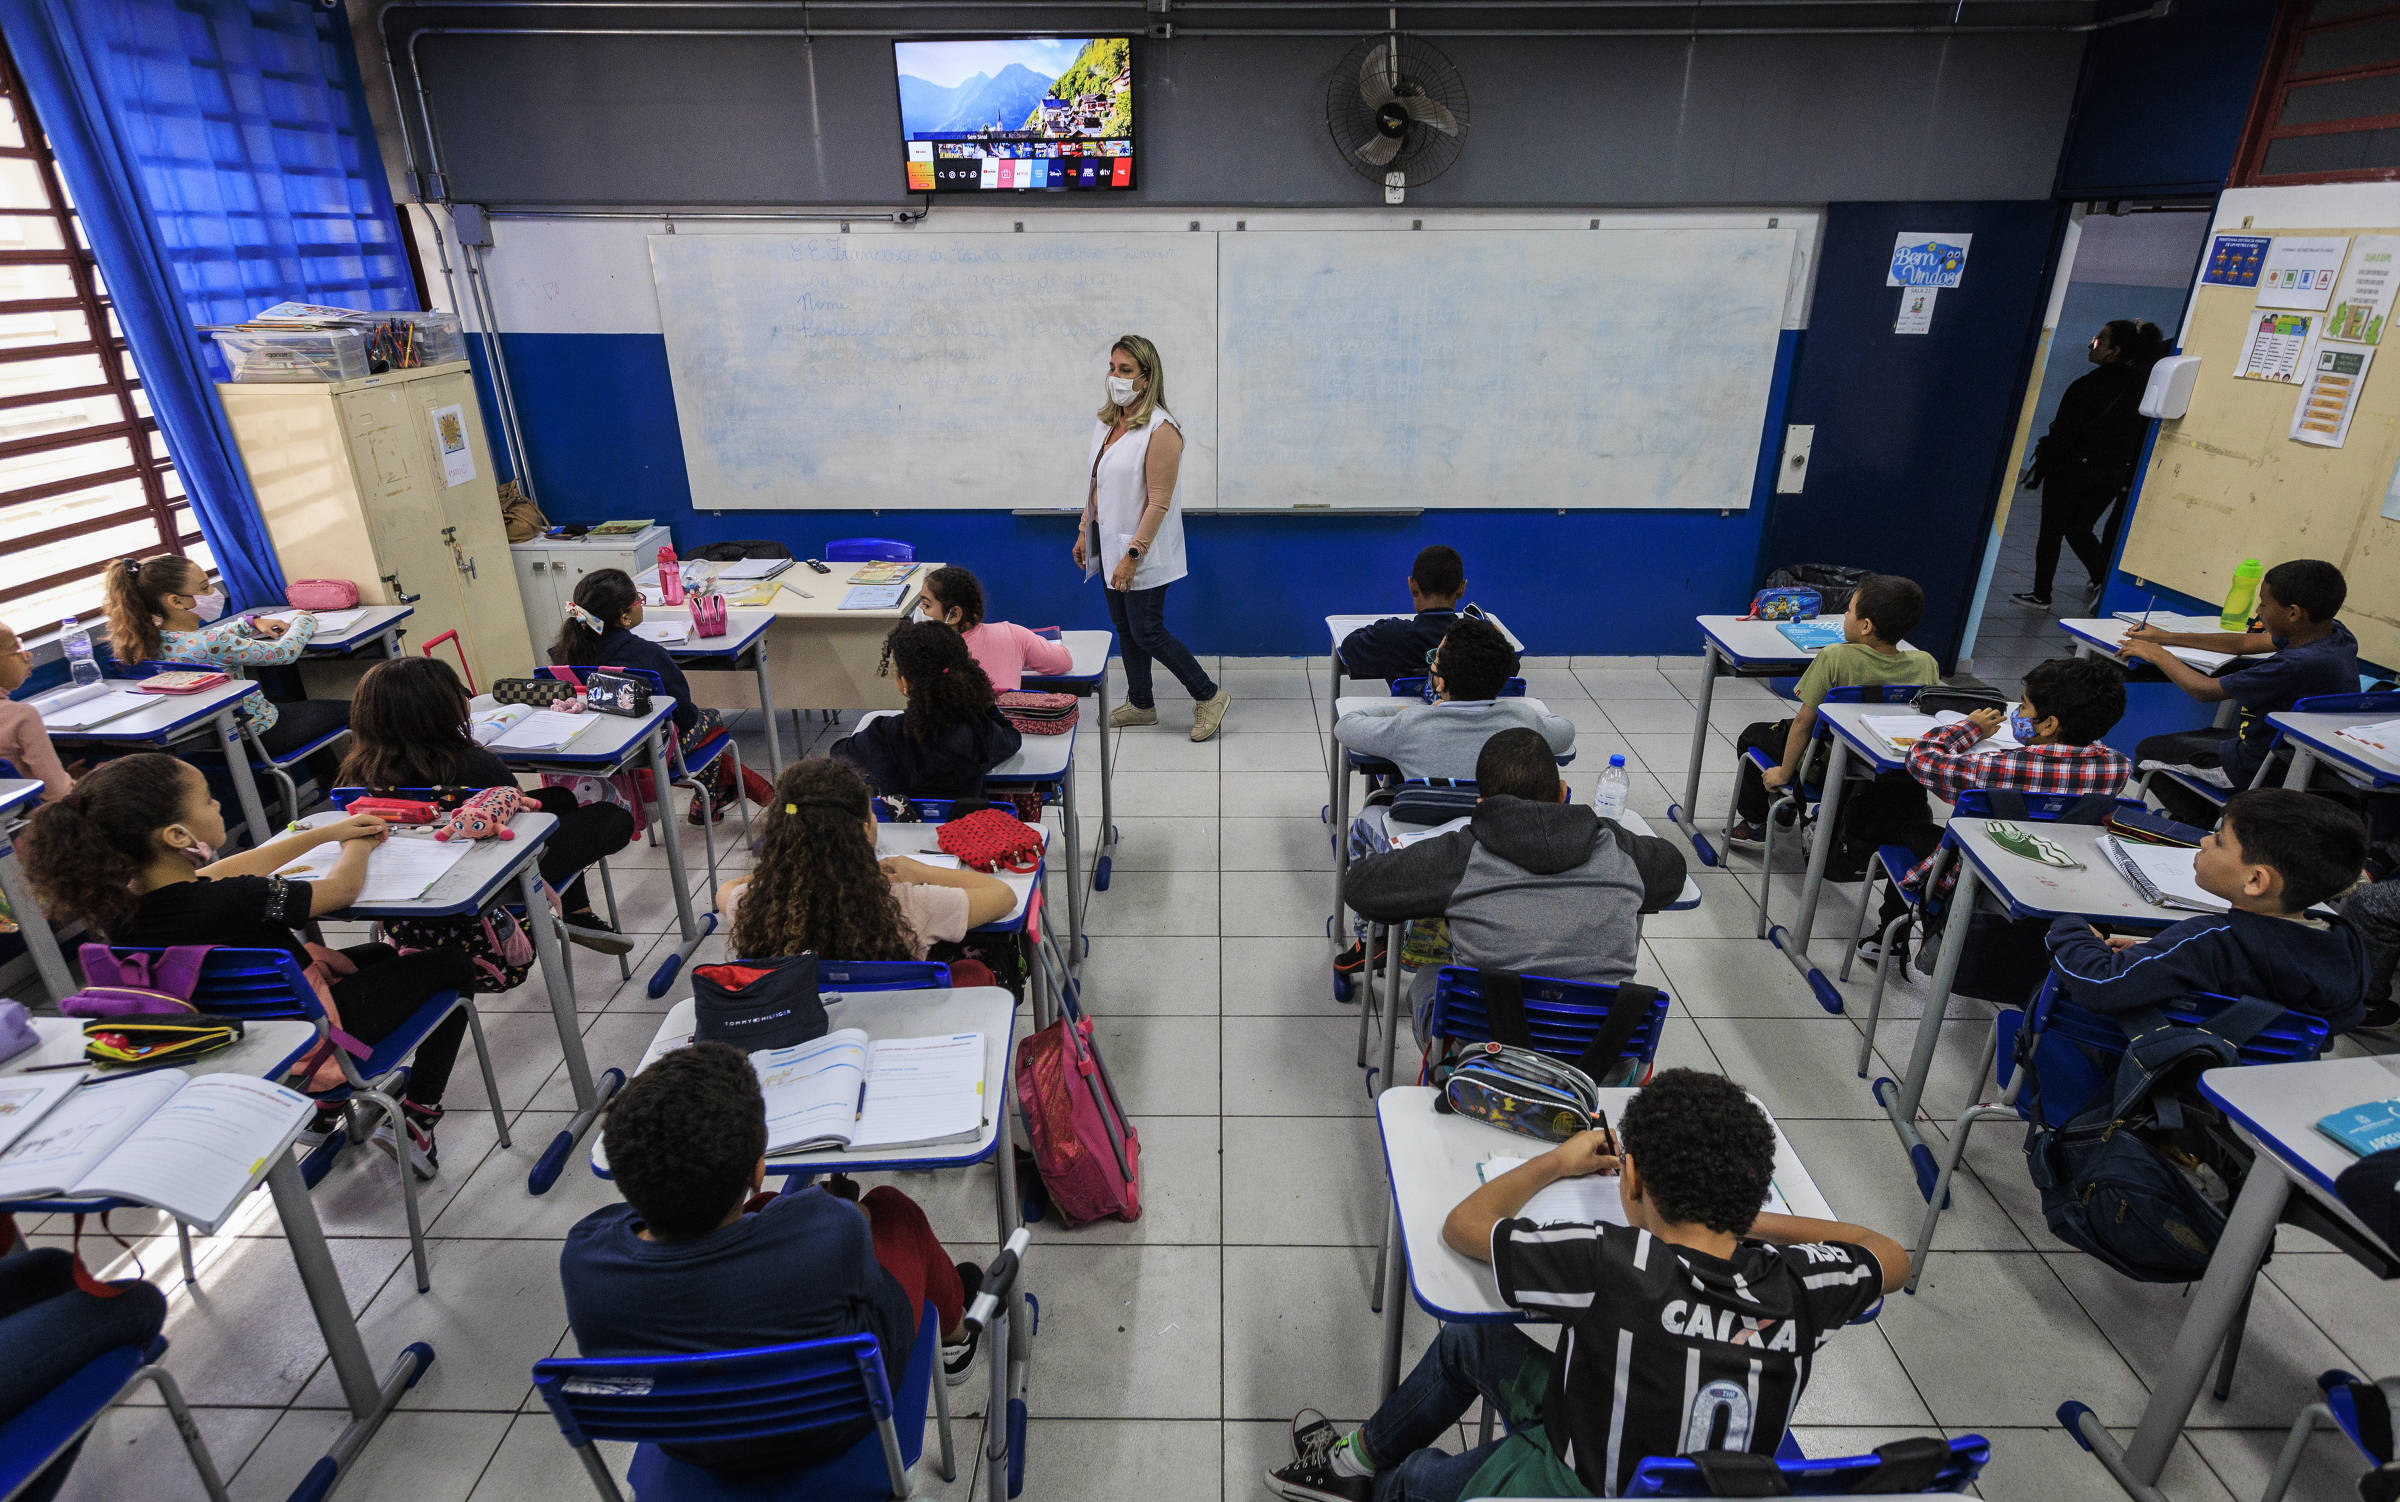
[1175,1349]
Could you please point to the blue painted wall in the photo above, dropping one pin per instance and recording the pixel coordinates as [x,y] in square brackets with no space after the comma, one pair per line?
[1913,430]
[599,416]
[2160,106]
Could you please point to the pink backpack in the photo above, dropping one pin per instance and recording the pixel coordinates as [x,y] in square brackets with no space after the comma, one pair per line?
[1089,1155]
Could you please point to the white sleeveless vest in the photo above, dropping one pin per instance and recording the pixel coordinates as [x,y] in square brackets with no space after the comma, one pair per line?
[1122,497]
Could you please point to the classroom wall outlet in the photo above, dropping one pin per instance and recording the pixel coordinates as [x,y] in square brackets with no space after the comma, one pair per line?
[1792,473]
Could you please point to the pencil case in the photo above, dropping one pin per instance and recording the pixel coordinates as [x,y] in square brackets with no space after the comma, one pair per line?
[117,1042]
[321,594]
[1785,604]
[2151,828]
[396,810]
[1518,1090]
[179,681]
[534,691]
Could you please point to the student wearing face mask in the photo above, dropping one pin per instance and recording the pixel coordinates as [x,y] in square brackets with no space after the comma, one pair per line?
[1131,535]
[164,609]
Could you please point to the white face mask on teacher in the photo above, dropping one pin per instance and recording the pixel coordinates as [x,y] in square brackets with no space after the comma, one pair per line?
[1121,390]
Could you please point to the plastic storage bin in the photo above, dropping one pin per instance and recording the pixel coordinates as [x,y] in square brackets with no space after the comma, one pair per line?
[436,339]
[293,354]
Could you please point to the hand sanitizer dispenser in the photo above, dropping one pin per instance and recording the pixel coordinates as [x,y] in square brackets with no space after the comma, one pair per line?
[2169,393]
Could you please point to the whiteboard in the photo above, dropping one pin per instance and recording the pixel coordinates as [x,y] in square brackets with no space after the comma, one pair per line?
[926,369]
[1502,368]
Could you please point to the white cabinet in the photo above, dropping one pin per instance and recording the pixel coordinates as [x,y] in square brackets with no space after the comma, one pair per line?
[387,482]
[548,568]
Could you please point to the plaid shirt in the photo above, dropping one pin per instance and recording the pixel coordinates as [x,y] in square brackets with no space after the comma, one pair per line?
[1945,761]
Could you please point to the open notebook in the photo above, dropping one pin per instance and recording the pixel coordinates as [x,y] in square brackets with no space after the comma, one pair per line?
[89,705]
[1900,731]
[192,1147]
[846,1091]
[2161,873]
[401,869]
[1591,1200]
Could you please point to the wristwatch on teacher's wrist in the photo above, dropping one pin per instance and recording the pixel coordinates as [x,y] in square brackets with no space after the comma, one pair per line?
[1135,550]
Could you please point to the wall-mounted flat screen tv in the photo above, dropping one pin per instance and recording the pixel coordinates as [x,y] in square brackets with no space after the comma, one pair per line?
[1017,114]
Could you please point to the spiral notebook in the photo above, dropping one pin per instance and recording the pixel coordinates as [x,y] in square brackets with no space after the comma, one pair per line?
[2161,873]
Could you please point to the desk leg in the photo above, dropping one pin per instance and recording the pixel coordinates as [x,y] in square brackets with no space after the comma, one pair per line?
[1075,940]
[391,642]
[1339,814]
[2215,1305]
[40,942]
[1900,1101]
[1682,814]
[1395,1301]
[2303,767]
[1794,943]
[1010,1357]
[245,787]
[766,705]
[1106,852]
[1393,1010]
[368,1400]
[589,1101]
[687,925]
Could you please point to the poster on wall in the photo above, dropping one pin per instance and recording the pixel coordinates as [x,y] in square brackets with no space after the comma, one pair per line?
[450,436]
[2336,376]
[1929,258]
[2235,260]
[2363,298]
[2391,498]
[1916,310]
[2277,345]
[2301,270]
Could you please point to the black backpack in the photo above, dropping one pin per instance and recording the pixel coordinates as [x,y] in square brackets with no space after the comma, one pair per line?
[2142,1179]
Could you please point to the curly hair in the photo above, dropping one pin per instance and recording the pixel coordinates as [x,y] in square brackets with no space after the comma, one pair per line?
[1476,660]
[816,885]
[134,592]
[408,726]
[683,1136]
[2087,694]
[953,588]
[1705,1150]
[607,593]
[84,851]
[946,686]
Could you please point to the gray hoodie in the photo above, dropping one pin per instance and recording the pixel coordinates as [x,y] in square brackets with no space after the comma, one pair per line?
[1537,888]
[1444,740]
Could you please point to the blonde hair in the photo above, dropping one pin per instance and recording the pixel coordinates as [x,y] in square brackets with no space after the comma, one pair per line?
[1150,398]
[135,593]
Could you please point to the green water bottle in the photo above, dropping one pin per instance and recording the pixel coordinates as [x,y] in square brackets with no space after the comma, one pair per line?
[2242,596]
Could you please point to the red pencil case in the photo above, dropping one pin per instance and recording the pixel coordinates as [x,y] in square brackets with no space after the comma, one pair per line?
[396,810]
[182,681]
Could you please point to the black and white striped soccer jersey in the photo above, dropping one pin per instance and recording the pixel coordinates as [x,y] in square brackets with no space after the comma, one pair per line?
[1666,1350]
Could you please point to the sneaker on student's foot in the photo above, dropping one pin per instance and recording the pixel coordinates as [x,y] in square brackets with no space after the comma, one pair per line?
[1871,951]
[422,1156]
[594,932]
[959,1355]
[1312,1476]
[1208,716]
[2381,1016]
[1129,714]
[320,1129]
[1313,1437]
[1746,832]
[1349,960]
[2028,597]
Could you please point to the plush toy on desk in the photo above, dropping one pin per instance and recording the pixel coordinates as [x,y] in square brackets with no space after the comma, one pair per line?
[485,816]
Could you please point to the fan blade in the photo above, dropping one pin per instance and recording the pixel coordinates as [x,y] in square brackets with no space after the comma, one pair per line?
[1379,151]
[1424,109]
[1375,83]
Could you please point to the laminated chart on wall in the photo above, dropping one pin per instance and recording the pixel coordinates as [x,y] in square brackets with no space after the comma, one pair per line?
[2327,402]
[2300,271]
[2362,301]
[2277,346]
[2235,260]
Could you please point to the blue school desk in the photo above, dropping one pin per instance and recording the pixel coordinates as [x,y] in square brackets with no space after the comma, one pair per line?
[377,626]
[268,1050]
[612,744]
[1087,677]
[17,799]
[2276,1107]
[744,645]
[917,840]
[2313,741]
[2098,636]
[1735,647]
[1339,627]
[1846,726]
[181,717]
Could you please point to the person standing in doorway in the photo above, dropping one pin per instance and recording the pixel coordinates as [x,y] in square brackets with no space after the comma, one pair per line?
[1131,535]
[2085,462]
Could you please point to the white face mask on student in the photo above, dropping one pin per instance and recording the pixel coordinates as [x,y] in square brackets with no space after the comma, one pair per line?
[1121,390]
[208,606]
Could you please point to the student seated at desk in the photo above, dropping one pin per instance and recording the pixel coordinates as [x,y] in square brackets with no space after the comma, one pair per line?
[1470,668]
[408,730]
[119,853]
[24,744]
[1533,884]
[817,886]
[1702,1312]
[1882,611]
[2313,654]
[697,1259]
[51,1327]
[2276,854]
[2375,912]
[1005,651]
[949,736]
[1395,646]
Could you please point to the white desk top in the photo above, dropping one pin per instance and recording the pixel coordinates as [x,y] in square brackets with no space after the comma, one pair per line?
[801,593]
[1849,721]
[2096,892]
[612,740]
[1430,1161]
[377,620]
[743,628]
[2316,731]
[1039,758]
[1339,626]
[173,714]
[2109,634]
[1090,650]
[914,839]
[265,1050]
[988,1010]
[2278,1106]
[18,792]
[1755,645]
[488,866]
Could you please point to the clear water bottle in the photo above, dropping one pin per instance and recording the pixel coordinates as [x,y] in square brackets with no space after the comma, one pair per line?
[1608,800]
[76,642]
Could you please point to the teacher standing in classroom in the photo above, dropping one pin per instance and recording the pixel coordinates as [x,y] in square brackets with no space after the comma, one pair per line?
[1132,534]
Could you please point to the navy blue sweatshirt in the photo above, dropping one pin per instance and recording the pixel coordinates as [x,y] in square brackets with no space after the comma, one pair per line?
[1395,646]
[2303,967]
[950,765]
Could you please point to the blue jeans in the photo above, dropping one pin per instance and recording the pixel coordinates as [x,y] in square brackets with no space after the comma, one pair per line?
[1140,616]
[50,1329]
[1465,1362]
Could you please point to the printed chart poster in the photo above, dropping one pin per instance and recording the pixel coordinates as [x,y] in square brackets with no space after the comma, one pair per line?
[2301,270]
[1916,310]
[2336,377]
[2278,342]
[1926,258]
[2363,299]
[450,435]
[2235,260]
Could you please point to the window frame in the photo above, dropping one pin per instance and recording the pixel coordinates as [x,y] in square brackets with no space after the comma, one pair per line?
[2276,80]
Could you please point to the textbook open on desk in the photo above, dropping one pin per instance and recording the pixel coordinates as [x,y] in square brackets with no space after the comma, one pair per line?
[91,704]
[192,1147]
[845,1091]
[1594,1199]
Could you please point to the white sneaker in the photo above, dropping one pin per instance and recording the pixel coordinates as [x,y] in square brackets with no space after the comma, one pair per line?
[423,1158]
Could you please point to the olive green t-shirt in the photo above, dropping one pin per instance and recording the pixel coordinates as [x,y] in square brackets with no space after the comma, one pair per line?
[1852,664]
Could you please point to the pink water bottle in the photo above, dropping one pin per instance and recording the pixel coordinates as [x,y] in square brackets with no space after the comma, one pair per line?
[670,576]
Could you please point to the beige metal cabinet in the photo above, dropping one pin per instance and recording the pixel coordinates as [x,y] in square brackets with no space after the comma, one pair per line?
[351,479]
[548,567]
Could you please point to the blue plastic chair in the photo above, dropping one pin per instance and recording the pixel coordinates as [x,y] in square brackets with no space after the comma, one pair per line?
[38,1435]
[2361,1409]
[870,550]
[260,985]
[685,769]
[261,759]
[1797,796]
[1563,1015]
[786,1392]
[2072,1077]
[1955,1463]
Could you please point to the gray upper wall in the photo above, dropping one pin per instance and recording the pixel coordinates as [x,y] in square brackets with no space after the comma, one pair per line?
[594,121]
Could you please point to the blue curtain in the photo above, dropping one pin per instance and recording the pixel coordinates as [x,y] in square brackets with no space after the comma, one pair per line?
[219,155]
